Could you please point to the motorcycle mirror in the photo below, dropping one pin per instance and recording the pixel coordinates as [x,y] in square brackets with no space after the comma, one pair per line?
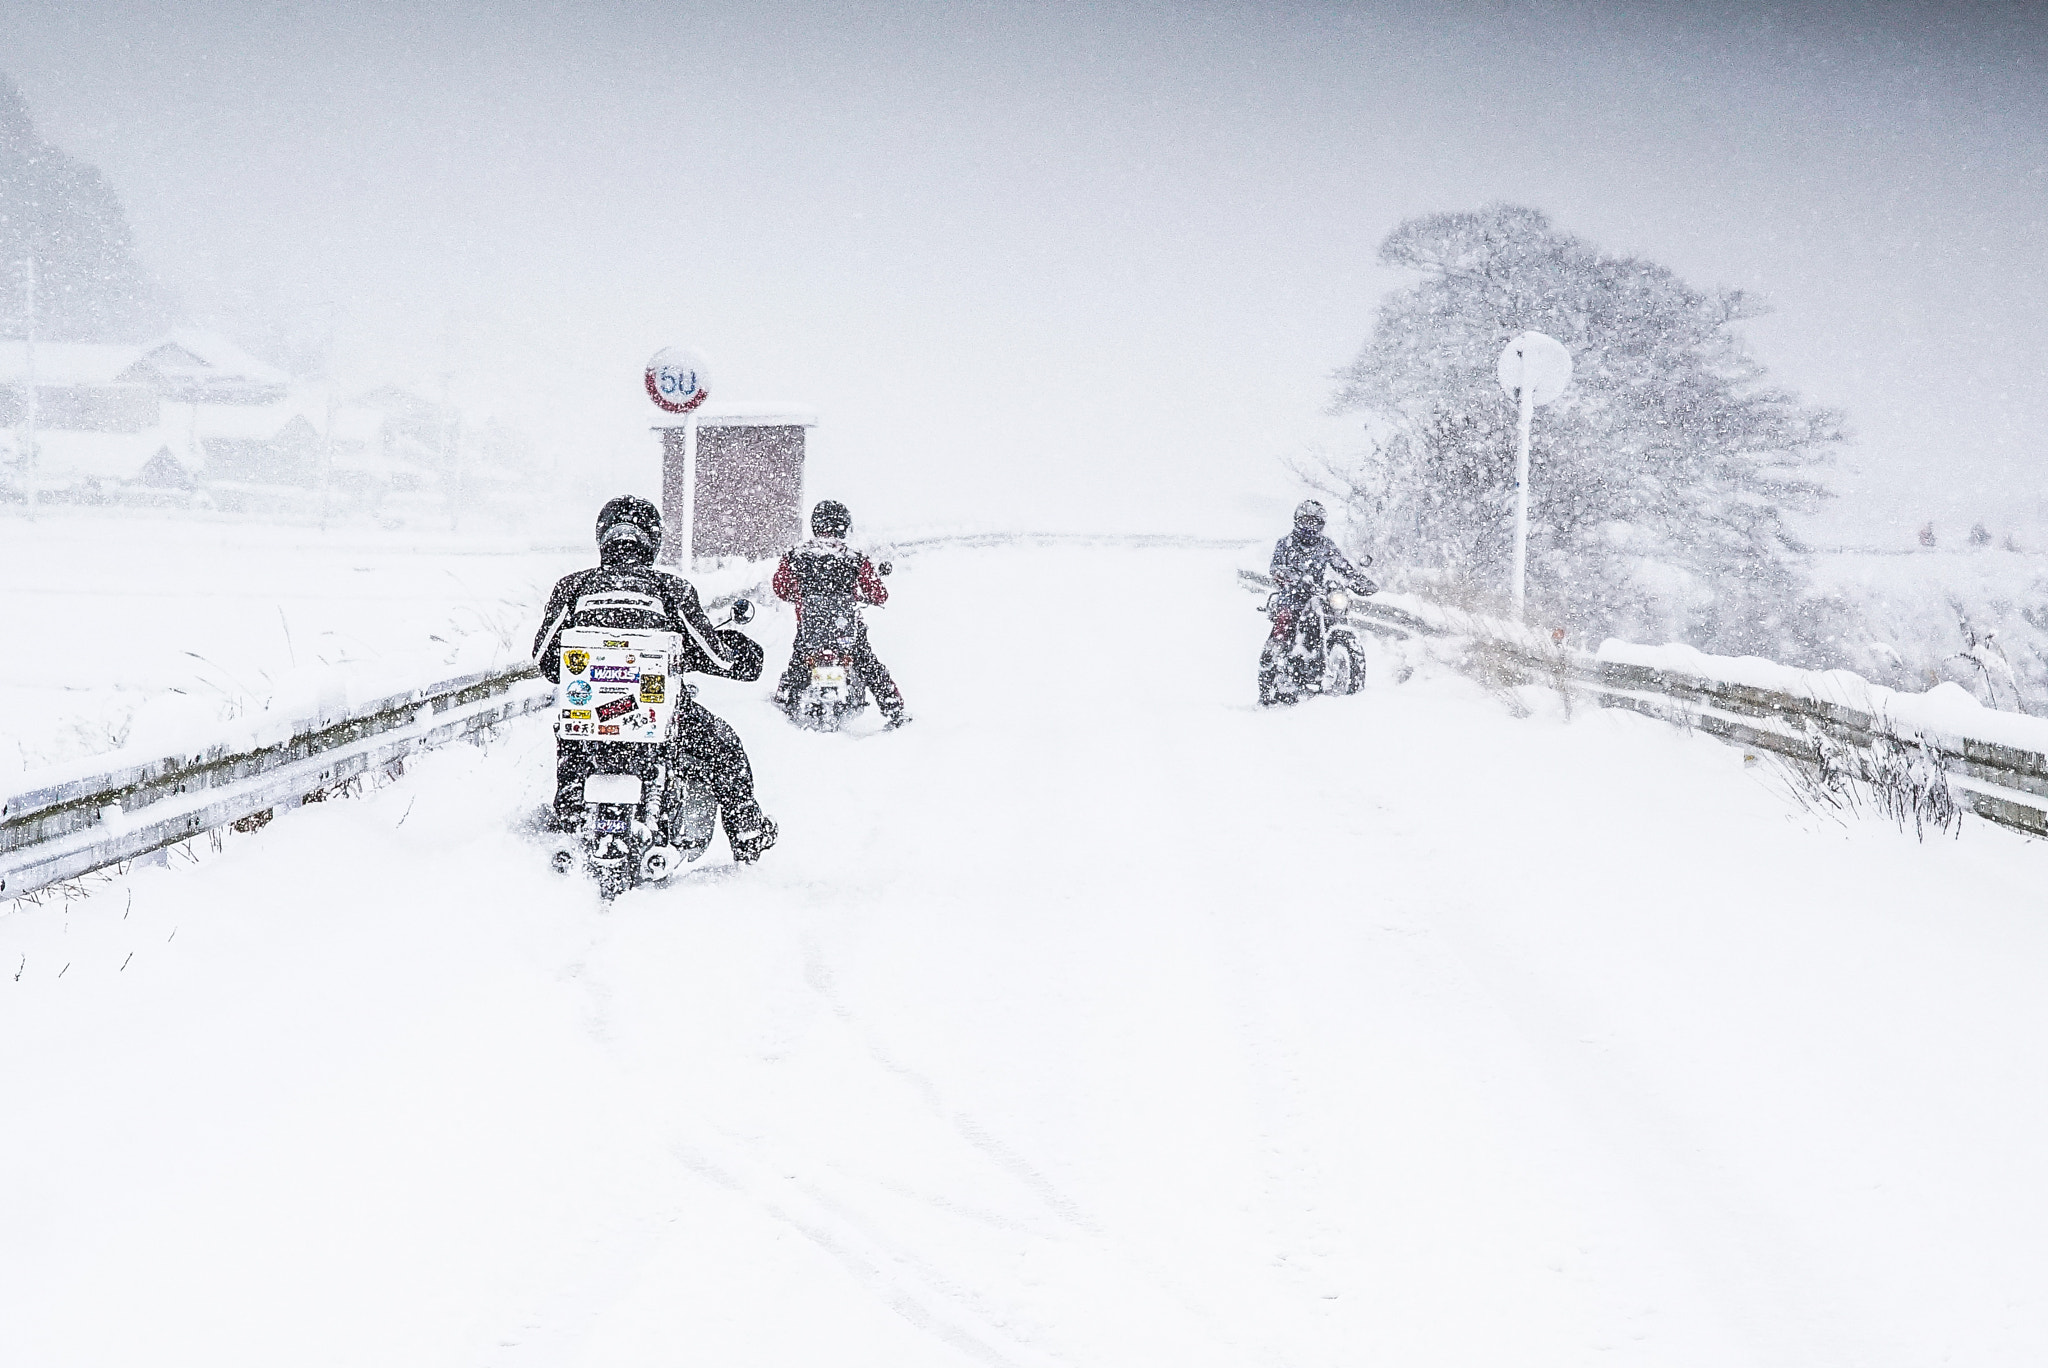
[885,567]
[742,611]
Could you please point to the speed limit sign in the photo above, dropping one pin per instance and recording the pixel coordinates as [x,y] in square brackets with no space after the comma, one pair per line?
[676,381]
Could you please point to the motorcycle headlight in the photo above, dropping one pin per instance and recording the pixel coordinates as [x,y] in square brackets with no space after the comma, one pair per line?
[1340,600]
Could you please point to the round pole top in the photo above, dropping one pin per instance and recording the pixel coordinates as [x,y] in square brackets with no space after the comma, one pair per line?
[1538,361]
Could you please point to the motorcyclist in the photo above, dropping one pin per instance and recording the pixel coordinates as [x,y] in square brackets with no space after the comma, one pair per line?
[624,591]
[1303,561]
[825,570]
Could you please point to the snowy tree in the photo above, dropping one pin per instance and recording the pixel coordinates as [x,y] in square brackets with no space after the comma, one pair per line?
[63,213]
[1660,481]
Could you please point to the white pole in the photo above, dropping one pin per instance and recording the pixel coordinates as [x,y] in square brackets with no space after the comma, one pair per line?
[28,446]
[327,429]
[689,538]
[1522,496]
[327,460]
[454,486]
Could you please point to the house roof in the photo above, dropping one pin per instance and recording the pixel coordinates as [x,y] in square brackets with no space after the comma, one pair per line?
[195,354]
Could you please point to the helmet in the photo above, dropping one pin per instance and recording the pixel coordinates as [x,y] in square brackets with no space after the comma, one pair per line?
[831,519]
[1309,517]
[629,518]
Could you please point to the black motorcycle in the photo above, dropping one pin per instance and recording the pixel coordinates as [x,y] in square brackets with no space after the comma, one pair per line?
[828,634]
[648,807]
[1312,649]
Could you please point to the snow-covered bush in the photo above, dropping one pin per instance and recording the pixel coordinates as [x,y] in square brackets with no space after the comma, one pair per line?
[1896,778]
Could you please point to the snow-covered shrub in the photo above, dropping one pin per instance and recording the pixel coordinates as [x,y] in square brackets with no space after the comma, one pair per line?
[1896,777]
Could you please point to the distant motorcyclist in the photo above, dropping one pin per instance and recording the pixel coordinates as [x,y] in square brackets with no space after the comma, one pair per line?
[1303,562]
[825,575]
[625,592]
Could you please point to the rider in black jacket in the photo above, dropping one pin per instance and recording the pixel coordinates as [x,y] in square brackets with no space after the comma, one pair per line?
[1304,558]
[626,592]
[1302,561]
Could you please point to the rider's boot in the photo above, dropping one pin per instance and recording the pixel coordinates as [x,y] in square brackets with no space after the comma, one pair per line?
[749,830]
[893,710]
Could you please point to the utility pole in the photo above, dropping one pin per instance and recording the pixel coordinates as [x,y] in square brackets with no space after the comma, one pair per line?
[28,441]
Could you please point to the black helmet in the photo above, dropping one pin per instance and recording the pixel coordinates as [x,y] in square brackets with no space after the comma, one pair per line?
[831,519]
[1309,517]
[629,518]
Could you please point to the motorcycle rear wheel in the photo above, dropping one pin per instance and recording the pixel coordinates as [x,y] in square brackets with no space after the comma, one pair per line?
[613,879]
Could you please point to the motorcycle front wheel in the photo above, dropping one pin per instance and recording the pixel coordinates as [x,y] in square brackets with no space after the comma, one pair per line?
[1344,672]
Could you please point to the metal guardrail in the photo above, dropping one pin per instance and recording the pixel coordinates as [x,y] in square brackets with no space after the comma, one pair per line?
[72,827]
[2003,783]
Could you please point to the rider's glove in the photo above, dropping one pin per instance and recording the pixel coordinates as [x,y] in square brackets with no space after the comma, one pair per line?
[1364,585]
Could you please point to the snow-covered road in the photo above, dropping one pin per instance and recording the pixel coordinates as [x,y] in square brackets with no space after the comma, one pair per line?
[1096,1019]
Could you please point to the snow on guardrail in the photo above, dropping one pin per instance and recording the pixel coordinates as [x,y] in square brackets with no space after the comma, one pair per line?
[1997,762]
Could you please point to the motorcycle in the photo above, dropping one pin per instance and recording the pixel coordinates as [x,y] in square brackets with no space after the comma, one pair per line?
[648,809]
[1312,649]
[827,634]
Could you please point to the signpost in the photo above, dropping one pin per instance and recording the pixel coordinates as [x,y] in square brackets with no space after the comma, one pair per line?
[1534,369]
[677,382]
[28,453]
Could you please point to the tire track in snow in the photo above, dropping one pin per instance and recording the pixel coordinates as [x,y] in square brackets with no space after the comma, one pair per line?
[865,1266]
[1099,1239]
[819,977]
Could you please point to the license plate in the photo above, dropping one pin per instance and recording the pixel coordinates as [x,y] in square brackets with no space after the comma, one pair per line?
[617,824]
[829,676]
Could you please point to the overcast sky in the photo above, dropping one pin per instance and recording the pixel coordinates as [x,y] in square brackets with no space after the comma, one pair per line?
[1081,265]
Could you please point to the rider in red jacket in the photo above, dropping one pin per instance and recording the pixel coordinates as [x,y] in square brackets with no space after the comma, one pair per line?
[829,582]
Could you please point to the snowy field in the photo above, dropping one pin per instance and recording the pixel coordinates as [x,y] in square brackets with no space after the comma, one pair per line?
[1097,1018]
[208,613]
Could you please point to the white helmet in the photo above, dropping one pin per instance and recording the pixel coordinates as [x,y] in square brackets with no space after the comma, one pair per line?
[1309,516]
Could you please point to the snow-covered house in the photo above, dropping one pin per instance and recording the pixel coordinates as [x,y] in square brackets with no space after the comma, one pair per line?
[193,366]
[169,415]
[122,387]
[191,417]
